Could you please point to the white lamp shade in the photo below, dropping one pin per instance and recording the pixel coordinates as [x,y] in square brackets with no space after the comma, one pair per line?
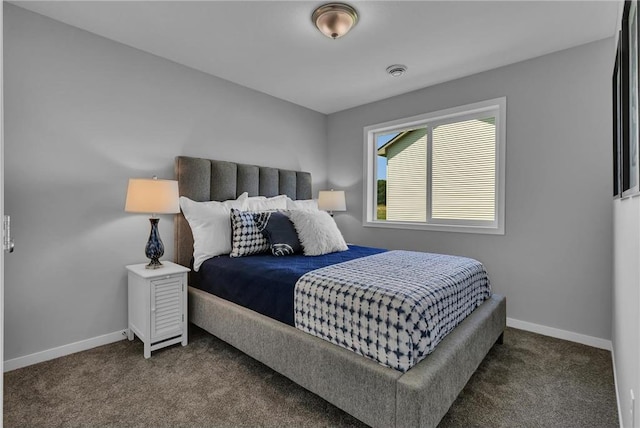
[332,200]
[152,196]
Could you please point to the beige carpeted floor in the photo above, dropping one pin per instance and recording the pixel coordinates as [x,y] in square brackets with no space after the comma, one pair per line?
[529,381]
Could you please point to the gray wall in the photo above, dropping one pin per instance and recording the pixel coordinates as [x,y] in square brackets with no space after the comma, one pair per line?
[83,114]
[554,262]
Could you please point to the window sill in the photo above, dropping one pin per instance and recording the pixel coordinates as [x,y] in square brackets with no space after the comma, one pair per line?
[487,230]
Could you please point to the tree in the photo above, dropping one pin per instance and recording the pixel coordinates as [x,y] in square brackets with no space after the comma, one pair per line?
[382,192]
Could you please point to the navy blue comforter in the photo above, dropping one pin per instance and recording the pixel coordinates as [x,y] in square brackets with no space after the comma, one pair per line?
[265,283]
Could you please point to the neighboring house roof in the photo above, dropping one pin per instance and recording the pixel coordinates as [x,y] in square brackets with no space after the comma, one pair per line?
[382,151]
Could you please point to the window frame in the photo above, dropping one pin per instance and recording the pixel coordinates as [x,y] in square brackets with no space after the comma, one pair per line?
[440,117]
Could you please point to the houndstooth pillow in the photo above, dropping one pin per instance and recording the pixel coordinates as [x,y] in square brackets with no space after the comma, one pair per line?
[247,237]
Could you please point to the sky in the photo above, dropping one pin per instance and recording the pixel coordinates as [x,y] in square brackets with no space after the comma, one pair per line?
[382,161]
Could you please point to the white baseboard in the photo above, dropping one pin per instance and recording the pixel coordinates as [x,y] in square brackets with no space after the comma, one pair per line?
[116,336]
[63,350]
[596,342]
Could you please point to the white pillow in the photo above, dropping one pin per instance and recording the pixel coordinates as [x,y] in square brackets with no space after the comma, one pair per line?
[210,226]
[302,205]
[317,232]
[255,203]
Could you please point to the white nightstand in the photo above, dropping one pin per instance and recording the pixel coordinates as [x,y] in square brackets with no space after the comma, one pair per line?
[158,305]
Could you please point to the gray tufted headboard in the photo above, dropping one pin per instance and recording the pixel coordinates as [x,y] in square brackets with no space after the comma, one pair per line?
[211,180]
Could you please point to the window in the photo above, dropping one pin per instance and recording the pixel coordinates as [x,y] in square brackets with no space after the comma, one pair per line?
[438,171]
[626,166]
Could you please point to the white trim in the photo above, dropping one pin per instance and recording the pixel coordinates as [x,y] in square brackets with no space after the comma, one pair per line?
[596,342]
[116,336]
[431,226]
[2,264]
[440,115]
[615,384]
[63,350]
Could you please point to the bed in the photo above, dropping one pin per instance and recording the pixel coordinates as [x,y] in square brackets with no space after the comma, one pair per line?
[377,395]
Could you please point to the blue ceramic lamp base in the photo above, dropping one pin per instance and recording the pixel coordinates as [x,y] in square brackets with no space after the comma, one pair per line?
[154,249]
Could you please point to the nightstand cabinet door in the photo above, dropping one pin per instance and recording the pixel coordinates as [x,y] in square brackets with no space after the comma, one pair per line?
[167,317]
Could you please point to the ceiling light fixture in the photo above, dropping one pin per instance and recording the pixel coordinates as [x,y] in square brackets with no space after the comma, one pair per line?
[334,20]
[397,70]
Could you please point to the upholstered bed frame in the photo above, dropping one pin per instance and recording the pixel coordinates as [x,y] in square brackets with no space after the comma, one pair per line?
[378,396]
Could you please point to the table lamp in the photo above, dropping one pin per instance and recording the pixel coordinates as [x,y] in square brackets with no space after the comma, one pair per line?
[332,200]
[152,196]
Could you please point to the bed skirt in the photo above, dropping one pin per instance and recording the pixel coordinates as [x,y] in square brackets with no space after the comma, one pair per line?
[377,395]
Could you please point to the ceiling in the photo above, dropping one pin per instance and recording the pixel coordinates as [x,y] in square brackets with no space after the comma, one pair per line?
[273,47]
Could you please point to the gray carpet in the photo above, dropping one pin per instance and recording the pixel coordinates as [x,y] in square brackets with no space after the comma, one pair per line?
[530,381]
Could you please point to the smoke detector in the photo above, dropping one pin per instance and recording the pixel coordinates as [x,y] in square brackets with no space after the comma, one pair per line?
[397,70]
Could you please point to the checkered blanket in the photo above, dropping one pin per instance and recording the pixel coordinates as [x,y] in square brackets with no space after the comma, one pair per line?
[393,307]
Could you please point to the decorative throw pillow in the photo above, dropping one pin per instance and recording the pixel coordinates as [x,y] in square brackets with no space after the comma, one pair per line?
[257,203]
[210,227]
[302,205]
[317,232]
[247,238]
[281,235]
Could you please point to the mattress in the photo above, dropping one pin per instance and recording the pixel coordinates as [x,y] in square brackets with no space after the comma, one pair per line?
[393,307]
[264,283]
